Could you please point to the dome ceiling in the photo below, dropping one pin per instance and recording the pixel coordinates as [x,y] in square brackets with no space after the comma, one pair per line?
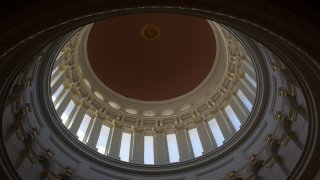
[151,57]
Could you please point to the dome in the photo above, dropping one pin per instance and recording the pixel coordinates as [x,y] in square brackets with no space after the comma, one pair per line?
[178,99]
[138,68]
[158,90]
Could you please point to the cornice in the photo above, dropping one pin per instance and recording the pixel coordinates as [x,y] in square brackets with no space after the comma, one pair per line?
[201,161]
[272,34]
[214,92]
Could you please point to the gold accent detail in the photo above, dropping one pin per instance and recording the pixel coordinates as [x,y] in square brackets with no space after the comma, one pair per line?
[49,175]
[271,161]
[158,129]
[232,175]
[117,124]
[198,119]
[179,125]
[278,116]
[138,129]
[253,159]
[288,135]
[70,171]
[32,156]
[34,132]
[48,154]
[282,92]
[150,32]
[26,108]
[269,139]
[14,105]
[293,114]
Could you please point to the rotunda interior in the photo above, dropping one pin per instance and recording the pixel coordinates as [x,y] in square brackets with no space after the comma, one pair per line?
[159,94]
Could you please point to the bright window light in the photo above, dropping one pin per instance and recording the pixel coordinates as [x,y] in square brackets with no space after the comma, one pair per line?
[195,142]
[233,117]
[65,115]
[173,148]
[54,70]
[249,78]
[59,55]
[55,79]
[148,150]
[125,147]
[217,134]
[57,93]
[245,100]
[83,127]
[103,139]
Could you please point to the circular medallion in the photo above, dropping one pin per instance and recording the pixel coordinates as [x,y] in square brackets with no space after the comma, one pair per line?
[150,32]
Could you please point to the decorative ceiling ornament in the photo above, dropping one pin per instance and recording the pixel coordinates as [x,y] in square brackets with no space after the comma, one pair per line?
[150,32]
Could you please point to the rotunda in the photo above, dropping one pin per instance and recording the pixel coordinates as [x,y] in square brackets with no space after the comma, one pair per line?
[178,97]
[120,90]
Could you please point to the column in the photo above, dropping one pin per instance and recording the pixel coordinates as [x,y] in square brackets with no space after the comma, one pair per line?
[62,103]
[239,109]
[72,115]
[137,148]
[89,130]
[57,81]
[184,145]
[114,143]
[160,149]
[248,90]
[248,68]
[226,129]
[94,133]
[77,120]
[205,137]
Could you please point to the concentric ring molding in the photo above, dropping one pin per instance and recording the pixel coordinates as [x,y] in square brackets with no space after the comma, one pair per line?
[308,88]
[155,126]
[214,98]
[218,69]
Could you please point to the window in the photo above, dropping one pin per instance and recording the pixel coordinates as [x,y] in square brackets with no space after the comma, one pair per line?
[245,100]
[252,81]
[59,55]
[54,70]
[57,93]
[103,139]
[125,147]
[148,150]
[233,117]
[173,148]
[215,129]
[56,78]
[83,127]
[195,142]
[65,115]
